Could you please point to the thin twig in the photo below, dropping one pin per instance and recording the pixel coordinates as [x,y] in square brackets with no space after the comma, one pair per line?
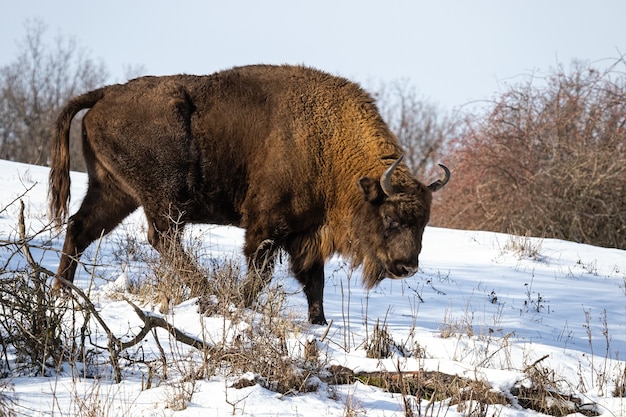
[24,245]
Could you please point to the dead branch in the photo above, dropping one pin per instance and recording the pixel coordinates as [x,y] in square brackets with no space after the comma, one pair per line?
[19,197]
[150,322]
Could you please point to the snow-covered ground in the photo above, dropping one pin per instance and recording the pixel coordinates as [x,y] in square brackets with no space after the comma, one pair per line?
[479,307]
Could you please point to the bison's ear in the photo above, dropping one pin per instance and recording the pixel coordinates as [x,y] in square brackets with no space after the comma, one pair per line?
[371,190]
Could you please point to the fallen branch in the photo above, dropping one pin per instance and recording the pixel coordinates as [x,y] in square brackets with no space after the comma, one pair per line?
[150,321]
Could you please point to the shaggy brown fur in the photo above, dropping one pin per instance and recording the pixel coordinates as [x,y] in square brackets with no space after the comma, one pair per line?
[291,154]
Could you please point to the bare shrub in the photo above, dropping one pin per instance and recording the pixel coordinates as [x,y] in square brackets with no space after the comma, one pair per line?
[30,322]
[37,327]
[549,160]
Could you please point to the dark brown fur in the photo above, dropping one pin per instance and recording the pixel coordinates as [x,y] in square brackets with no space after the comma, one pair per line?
[291,154]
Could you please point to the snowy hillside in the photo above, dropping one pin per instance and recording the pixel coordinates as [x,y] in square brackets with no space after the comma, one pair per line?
[484,306]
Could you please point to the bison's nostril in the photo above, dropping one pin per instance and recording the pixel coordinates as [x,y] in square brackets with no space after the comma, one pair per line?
[405,270]
[408,270]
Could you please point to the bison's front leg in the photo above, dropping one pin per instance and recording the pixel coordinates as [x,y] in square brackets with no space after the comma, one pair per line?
[312,281]
[307,264]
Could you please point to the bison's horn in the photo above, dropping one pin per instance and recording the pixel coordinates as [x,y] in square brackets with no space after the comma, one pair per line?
[385,179]
[438,185]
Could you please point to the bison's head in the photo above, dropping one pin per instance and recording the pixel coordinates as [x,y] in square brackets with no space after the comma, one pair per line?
[391,223]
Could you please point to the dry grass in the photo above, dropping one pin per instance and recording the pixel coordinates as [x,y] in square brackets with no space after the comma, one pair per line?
[524,247]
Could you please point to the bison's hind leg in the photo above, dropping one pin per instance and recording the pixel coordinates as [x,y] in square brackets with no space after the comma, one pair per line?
[260,270]
[103,208]
[165,235]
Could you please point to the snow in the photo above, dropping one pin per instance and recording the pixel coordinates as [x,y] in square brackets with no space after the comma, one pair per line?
[477,308]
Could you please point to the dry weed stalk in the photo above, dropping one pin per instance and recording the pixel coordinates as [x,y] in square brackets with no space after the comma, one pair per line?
[620,384]
[379,345]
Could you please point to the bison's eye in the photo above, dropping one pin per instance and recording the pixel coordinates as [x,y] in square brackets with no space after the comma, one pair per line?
[391,225]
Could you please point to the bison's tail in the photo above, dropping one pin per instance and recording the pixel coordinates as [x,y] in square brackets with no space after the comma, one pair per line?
[59,181]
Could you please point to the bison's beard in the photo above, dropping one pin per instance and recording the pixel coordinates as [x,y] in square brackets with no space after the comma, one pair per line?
[373,273]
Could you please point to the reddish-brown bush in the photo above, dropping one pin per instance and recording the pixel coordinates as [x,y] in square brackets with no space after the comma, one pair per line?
[548,159]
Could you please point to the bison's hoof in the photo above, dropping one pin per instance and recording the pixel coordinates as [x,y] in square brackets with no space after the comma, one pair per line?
[321,320]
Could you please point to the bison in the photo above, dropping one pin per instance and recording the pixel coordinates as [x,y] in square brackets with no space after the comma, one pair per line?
[299,158]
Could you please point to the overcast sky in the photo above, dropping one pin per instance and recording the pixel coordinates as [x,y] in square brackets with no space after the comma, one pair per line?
[452,51]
